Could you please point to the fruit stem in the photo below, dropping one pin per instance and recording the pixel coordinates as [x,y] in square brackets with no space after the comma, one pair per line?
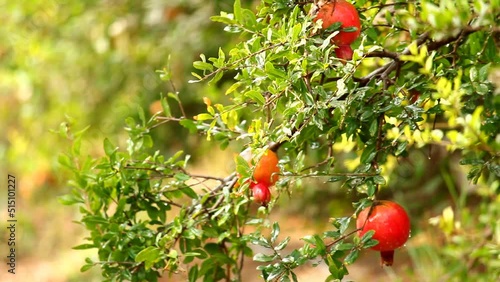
[386,258]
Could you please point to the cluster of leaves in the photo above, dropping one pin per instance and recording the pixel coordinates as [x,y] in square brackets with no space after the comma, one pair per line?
[337,255]
[290,93]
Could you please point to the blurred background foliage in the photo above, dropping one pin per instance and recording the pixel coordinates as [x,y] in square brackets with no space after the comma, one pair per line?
[93,63]
[87,63]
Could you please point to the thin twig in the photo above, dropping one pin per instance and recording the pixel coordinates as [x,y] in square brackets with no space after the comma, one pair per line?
[382,6]
[392,26]
[343,237]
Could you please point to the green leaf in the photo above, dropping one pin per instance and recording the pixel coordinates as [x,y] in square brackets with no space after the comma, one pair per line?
[263,258]
[84,247]
[275,273]
[216,78]
[472,161]
[70,199]
[174,96]
[371,188]
[336,178]
[86,267]
[473,74]
[332,234]
[165,107]
[332,266]
[379,179]
[77,144]
[203,66]
[283,244]
[350,29]
[109,149]
[261,241]
[249,20]
[334,27]
[95,219]
[316,241]
[225,19]
[254,221]
[237,11]
[193,274]
[352,257]
[275,232]
[189,192]
[189,124]
[368,154]
[274,72]
[373,128]
[401,148]
[142,115]
[345,247]
[256,96]
[204,116]
[296,31]
[233,87]
[182,177]
[294,277]
[149,256]
[367,236]
[484,72]
[370,243]
[343,223]
[147,141]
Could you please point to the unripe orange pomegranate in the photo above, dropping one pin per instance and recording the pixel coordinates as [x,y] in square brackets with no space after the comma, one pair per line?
[266,170]
[391,225]
[344,12]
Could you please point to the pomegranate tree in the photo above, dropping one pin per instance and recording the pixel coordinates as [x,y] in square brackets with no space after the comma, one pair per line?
[391,225]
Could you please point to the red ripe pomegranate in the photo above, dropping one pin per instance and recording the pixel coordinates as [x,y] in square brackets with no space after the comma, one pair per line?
[261,193]
[344,52]
[344,12]
[391,225]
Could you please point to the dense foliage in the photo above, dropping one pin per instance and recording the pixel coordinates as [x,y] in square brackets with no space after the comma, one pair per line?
[420,76]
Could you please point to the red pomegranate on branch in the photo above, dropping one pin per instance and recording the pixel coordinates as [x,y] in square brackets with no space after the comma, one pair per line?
[391,225]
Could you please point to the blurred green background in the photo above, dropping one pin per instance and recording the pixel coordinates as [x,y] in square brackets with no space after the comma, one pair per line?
[85,63]
[93,63]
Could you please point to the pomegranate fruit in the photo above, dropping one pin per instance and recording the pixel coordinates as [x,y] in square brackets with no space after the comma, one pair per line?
[344,52]
[391,225]
[267,170]
[344,12]
[414,95]
[260,193]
